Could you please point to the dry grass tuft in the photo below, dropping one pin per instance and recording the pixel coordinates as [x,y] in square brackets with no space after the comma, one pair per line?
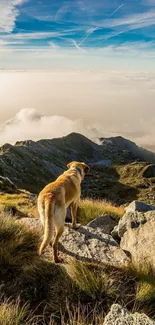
[90,209]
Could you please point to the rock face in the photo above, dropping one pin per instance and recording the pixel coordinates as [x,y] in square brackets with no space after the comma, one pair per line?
[140,241]
[105,223]
[149,171]
[120,316]
[133,217]
[136,230]
[137,206]
[86,244]
[6,185]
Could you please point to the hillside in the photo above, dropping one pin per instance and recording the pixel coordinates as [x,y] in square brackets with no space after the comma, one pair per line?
[123,144]
[96,271]
[31,165]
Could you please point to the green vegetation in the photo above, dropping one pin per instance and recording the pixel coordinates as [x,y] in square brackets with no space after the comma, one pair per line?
[18,204]
[120,184]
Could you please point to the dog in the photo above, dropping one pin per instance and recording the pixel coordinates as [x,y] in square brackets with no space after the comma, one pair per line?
[54,200]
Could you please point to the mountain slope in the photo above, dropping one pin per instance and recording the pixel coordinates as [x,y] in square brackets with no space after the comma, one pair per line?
[121,143]
[31,165]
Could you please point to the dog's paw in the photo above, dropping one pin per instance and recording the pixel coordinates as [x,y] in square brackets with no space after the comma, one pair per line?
[58,260]
[77,226]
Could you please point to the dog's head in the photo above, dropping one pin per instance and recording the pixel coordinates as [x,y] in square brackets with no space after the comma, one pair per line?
[80,166]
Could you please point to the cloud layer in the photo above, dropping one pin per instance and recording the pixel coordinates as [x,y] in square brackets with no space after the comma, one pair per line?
[51,104]
[29,124]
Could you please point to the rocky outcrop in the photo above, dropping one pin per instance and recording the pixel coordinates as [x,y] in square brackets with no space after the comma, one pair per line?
[105,223]
[140,241]
[85,244]
[6,185]
[137,206]
[133,217]
[120,316]
[149,171]
[136,230]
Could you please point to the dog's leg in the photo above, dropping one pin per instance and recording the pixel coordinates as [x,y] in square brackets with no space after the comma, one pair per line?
[48,224]
[48,232]
[74,206]
[55,245]
[59,222]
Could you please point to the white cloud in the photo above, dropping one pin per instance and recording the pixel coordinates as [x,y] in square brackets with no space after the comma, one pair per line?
[132,22]
[78,47]
[8,13]
[29,124]
[95,104]
[31,36]
[137,49]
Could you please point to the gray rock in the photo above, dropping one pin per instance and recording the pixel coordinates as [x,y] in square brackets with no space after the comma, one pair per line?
[140,242]
[130,220]
[114,233]
[86,244]
[6,185]
[133,217]
[149,171]
[105,223]
[121,316]
[137,206]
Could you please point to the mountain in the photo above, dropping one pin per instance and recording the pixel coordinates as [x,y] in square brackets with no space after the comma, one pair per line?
[30,165]
[123,144]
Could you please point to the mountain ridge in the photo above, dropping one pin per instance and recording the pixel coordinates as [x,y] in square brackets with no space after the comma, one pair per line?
[32,164]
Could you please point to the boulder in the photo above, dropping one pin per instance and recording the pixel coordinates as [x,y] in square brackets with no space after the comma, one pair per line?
[119,315]
[139,241]
[136,231]
[149,171]
[137,206]
[7,186]
[106,223]
[114,233]
[85,244]
[133,217]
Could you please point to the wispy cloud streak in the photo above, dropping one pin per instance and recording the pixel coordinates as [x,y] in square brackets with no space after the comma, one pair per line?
[98,26]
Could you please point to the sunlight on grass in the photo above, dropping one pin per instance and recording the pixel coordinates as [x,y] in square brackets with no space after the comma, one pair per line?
[20,202]
[91,209]
[14,314]
[146,292]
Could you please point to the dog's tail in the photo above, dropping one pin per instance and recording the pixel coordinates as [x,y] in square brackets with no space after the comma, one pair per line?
[48,224]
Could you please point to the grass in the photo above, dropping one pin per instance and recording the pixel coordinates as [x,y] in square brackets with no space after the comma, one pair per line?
[21,203]
[35,291]
[53,294]
[13,314]
[91,209]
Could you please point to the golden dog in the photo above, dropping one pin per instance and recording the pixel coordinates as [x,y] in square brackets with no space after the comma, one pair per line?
[53,201]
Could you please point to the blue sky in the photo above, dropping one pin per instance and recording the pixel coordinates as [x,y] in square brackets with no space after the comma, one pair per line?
[77,34]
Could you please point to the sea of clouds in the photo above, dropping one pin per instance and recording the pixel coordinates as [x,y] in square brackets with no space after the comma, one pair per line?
[95,104]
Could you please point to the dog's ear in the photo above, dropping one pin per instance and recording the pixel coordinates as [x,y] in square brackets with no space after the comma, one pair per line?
[69,165]
[86,168]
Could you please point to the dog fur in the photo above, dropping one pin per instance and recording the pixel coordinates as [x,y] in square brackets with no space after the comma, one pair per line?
[54,200]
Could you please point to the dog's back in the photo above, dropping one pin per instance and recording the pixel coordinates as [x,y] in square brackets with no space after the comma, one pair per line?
[54,199]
